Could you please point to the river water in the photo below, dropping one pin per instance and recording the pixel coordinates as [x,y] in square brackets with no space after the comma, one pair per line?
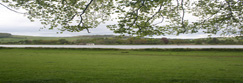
[128,46]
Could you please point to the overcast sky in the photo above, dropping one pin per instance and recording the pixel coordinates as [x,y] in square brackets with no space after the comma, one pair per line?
[18,24]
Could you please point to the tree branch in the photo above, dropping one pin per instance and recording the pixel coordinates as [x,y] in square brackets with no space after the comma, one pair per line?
[230,10]
[211,15]
[136,14]
[73,17]
[161,20]
[177,5]
[81,20]
[11,9]
[155,14]
[183,14]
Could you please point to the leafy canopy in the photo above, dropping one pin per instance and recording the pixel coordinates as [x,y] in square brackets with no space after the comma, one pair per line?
[136,17]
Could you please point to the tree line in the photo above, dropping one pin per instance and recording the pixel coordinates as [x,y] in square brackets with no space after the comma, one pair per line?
[136,41]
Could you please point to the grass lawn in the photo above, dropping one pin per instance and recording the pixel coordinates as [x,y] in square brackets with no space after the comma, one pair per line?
[120,66]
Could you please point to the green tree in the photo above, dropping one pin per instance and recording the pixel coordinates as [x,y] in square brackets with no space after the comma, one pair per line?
[165,40]
[136,17]
[63,41]
[212,41]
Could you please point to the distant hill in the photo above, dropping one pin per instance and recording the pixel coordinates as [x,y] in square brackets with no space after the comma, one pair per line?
[96,36]
[101,36]
[5,35]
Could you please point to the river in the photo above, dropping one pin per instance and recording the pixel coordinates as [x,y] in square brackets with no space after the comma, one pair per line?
[128,46]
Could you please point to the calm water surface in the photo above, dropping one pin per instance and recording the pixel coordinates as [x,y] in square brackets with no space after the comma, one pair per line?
[127,46]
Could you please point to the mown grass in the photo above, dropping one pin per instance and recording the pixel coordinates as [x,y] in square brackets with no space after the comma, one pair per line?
[120,66]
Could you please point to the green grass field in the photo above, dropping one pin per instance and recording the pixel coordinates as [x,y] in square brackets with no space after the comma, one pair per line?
[120,66]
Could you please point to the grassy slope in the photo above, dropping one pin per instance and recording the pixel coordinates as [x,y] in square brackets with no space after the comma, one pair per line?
[120,66]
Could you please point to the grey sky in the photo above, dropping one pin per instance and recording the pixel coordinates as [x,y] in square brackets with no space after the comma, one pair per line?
[18,24]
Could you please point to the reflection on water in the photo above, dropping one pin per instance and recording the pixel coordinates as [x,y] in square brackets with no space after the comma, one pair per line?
[127,46]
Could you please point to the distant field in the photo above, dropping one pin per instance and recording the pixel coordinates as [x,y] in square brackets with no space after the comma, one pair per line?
[120,66]
[16,38]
